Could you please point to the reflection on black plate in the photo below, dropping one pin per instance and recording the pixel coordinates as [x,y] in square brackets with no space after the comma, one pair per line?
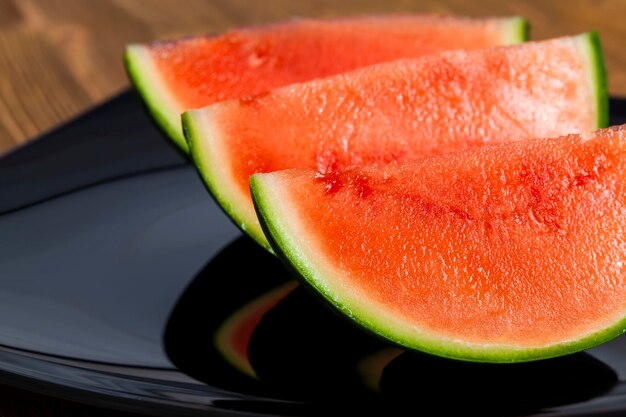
[123,284]
[298,350]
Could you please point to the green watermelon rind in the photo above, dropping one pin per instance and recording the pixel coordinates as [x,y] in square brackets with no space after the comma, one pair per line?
[311,270]
[160,102]
[591,40]
[198,140]
[196,127]
[519,29]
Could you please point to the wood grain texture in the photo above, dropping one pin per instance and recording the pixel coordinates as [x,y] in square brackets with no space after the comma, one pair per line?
[59,57]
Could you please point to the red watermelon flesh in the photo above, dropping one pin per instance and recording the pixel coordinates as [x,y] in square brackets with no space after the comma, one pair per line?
[174,76]
[397,111]
[502,253]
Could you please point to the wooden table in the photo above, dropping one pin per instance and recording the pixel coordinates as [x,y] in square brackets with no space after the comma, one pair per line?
[59,57]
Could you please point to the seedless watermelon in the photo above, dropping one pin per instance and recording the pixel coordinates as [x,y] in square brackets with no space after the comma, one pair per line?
[397,111]
[502,253]
[173,76]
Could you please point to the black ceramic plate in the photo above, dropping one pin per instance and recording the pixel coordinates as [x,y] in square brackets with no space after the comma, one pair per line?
[122,284]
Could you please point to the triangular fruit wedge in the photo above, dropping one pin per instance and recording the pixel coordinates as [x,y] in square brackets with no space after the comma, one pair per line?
[398,111]
[502,253]
[174,76]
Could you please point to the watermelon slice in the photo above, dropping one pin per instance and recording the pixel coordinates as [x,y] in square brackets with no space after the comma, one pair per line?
[173,76]
[502,253]
[397,111]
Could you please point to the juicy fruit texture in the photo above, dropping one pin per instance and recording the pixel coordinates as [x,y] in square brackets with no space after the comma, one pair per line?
[502,253]
[398,111]
[174,76]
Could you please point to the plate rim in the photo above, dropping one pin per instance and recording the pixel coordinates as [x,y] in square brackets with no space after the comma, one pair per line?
[110,373]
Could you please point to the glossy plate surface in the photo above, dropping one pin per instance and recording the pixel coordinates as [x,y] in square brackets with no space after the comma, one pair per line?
[122,284]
